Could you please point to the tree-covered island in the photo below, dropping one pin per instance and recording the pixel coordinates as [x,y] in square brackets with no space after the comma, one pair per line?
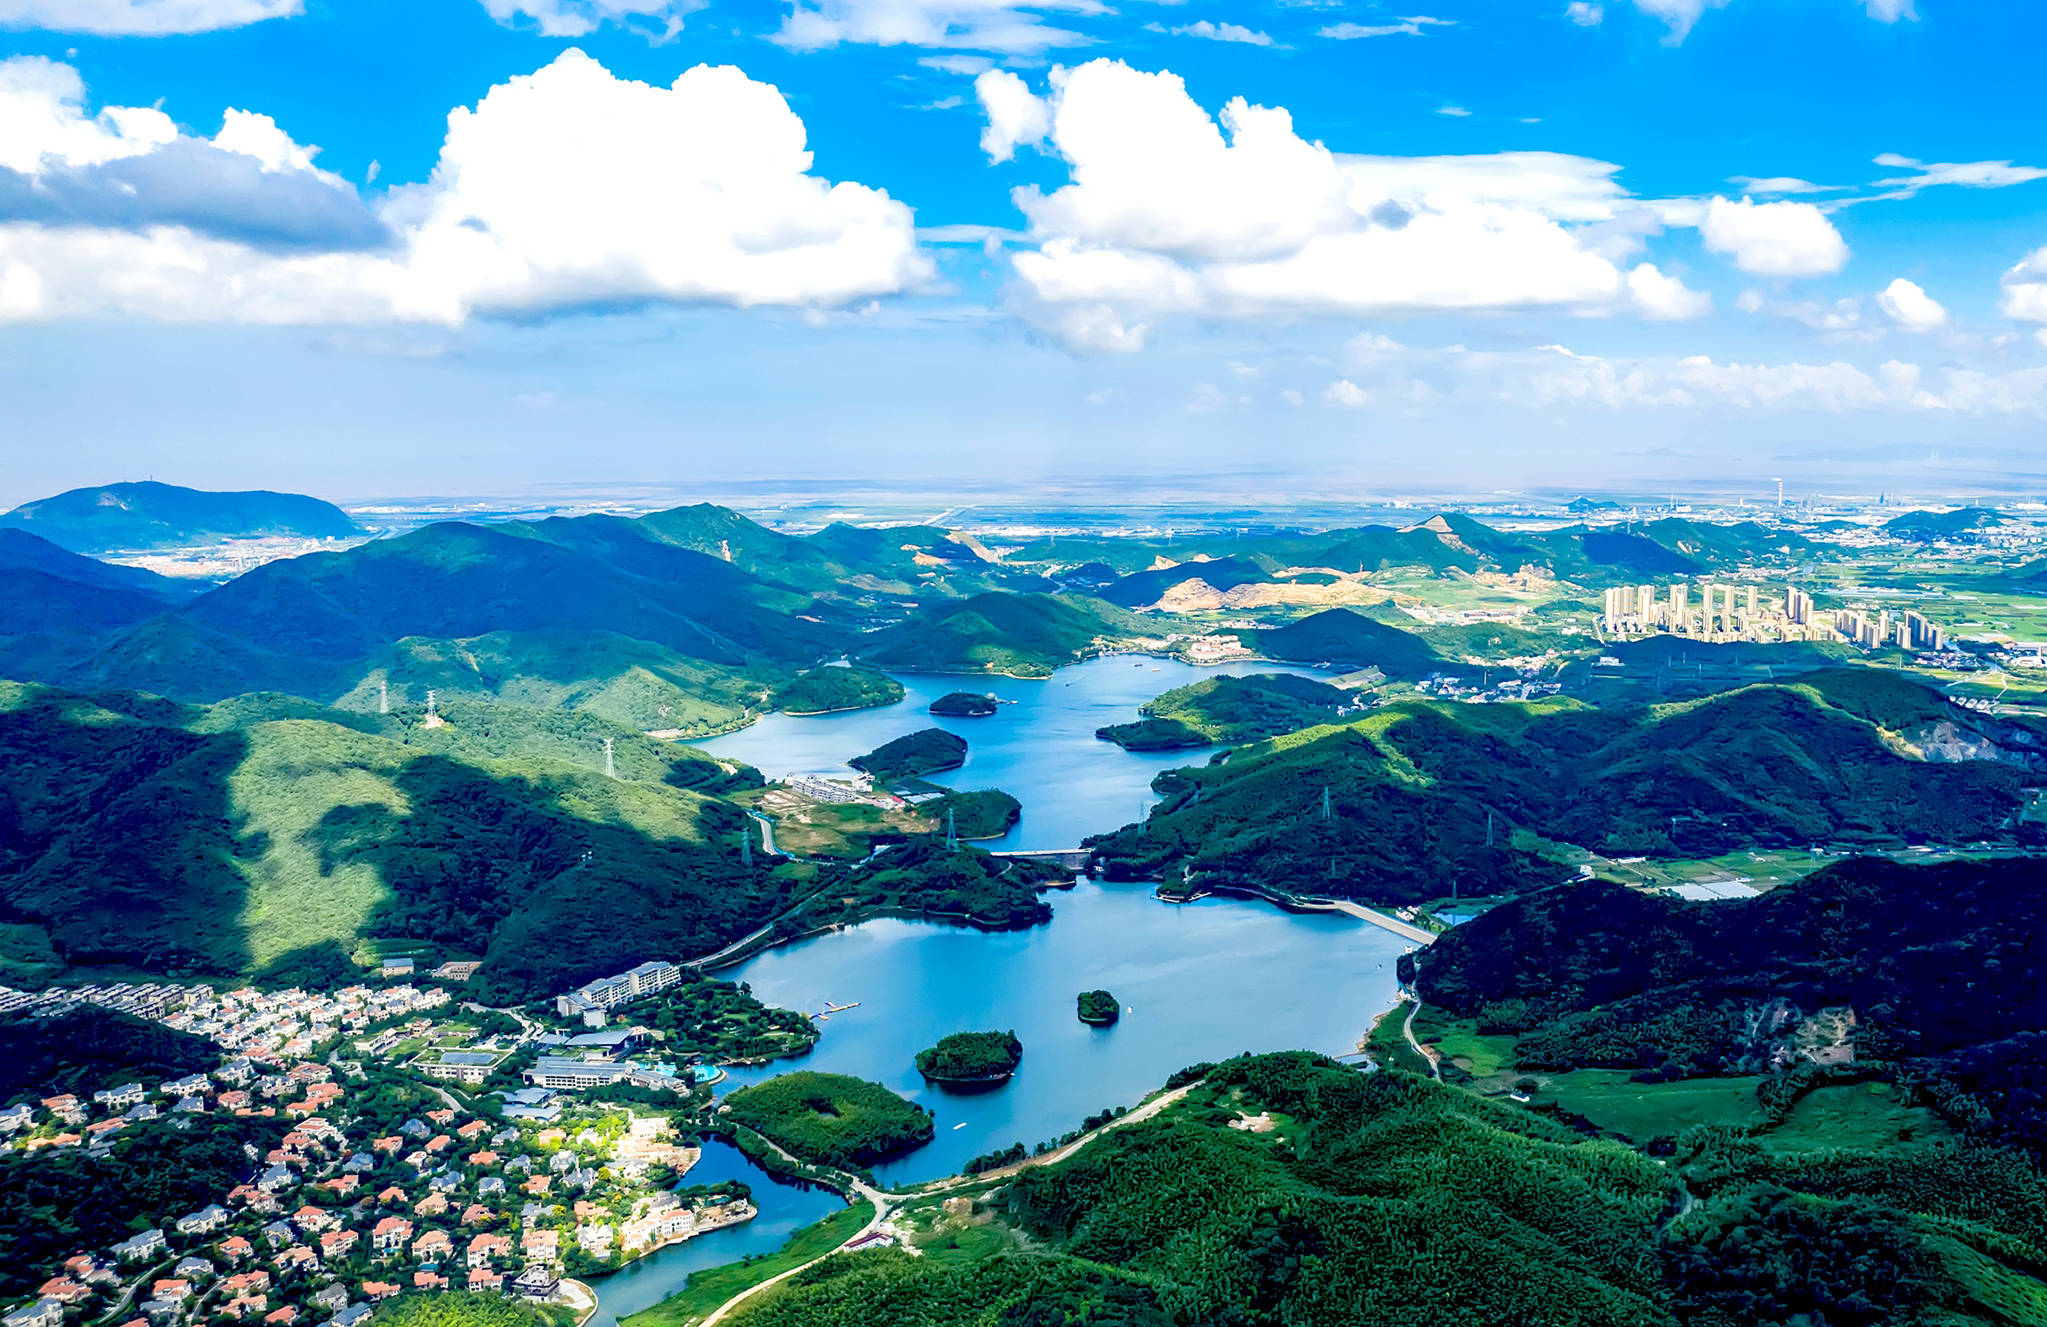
[1099,1008]
[964,705]
[971,1059]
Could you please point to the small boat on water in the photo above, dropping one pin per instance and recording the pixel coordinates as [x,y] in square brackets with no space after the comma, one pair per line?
[961,1125]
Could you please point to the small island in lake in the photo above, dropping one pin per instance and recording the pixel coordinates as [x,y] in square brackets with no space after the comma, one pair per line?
[913,756]
[832,1119]
[971,1060]
[964,705]
[1099,1008]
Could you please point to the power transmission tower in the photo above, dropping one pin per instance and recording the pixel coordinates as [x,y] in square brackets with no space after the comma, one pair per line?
[383,696]
[1327,810]
[952,838]
[745,846]
[610,765]
[1488,829]
[431,715]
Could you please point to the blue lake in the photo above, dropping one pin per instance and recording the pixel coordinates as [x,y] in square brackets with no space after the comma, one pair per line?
[1042,749]
[784,1209]
[1199,981]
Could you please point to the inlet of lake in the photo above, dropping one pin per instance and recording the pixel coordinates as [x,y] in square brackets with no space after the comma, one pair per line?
[1040,748]
[1198,981]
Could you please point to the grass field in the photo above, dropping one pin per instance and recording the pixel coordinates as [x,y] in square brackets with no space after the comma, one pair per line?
[711,1287]
[1857,1115]
[1480,1055]
[1642,1111]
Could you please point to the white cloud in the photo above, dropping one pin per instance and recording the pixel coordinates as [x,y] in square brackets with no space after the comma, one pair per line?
[577,18]
[1346,393]
[1405,27]
[1170,212]
[1666,298]
[2025,288]
[1015,115]
[1457,112]
[1585,14]
[1910,307]
[1968,174]
[1007,27]
[1229,32]
[142,18]
[564,188]
[1680,15]
[1774,239]
[1699,381]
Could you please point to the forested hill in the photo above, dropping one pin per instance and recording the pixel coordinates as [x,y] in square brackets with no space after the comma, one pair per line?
[1417,796]
[141,516]
[269,837]
[1930,958]
[1383,1200]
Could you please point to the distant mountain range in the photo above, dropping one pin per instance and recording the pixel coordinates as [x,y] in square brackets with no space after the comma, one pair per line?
[139,517]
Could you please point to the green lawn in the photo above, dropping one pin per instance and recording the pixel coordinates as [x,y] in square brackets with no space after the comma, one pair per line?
[1868,1116]
[711,1287]
[1641,1111]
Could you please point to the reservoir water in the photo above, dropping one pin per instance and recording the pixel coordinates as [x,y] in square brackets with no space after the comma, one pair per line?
[1199,981]
[1041,749]
[784,1209]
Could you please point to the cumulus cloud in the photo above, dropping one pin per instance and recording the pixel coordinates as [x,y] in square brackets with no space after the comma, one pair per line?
[142,18]
[1585,14]
[1774,239]
[564,188]
[1346,393]
[1007,27]
[1665,298]
[1910,307]
[1173,212]
[577,18]
[1015,116]
[2025,288]
[131,167]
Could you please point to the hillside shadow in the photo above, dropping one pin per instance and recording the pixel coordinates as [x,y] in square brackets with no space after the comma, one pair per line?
[499,867]
[117,832]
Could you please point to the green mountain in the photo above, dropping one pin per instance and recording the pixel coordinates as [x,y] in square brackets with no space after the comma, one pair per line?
[1228,710]
[1345,638]
[134,517]
[1929,526]
[55,605]
[255,838]
[1024,634]
[1417,796]
[1925,960]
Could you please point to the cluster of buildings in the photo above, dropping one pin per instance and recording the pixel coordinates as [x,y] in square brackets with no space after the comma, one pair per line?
[594,1002]
[269,1025]
[339,1216]
[1729,612]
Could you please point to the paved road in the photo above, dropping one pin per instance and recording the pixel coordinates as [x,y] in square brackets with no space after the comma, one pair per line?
[1376,918]
[1426,1052]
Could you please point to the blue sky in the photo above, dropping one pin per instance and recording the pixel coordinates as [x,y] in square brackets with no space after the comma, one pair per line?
[1487,245]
